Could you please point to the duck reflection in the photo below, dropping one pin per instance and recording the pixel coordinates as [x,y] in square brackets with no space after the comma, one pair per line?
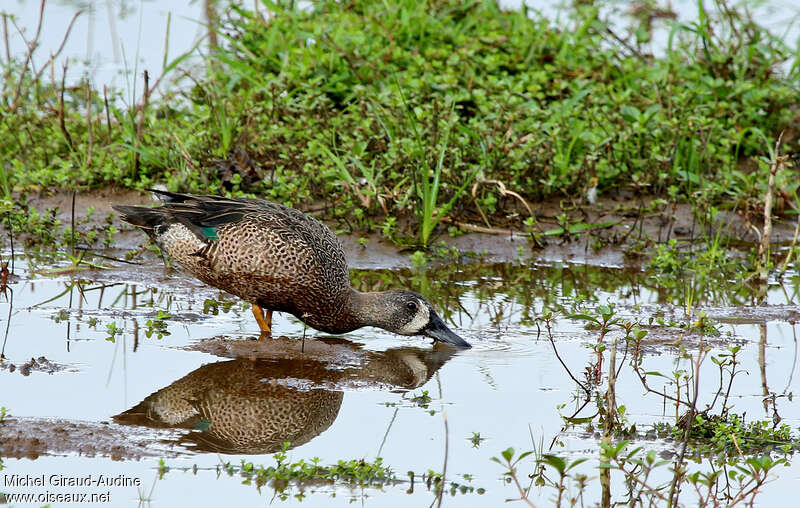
[282,391]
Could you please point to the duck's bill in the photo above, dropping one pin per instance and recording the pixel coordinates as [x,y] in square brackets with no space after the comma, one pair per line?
[437,330]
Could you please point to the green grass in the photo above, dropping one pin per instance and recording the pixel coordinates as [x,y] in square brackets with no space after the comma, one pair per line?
[395,109]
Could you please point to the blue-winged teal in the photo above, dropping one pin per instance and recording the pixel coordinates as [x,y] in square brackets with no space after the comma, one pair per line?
[278,259]
[283,391]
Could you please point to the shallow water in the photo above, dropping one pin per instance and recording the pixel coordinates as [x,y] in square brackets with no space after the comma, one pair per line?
[353,398]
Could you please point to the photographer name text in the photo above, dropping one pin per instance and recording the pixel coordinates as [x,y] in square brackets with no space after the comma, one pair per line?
[58,480]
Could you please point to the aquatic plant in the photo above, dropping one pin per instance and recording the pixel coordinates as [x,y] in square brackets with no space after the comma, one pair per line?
[714,434]
[157,325]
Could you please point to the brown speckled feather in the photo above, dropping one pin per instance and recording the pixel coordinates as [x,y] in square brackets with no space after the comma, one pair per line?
[263,252]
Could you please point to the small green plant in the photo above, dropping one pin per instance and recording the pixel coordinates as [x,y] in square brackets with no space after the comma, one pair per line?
[422,400]
[476,439]
[157,325]
[418,259]
[62,315]
[162,468]
[283,475]
[113,331]
[510,463]
[212,306]
[729,435]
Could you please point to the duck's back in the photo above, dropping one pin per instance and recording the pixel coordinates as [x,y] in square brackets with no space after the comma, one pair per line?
[262,252]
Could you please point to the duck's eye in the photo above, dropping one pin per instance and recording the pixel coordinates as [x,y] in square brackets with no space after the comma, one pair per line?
[411,306]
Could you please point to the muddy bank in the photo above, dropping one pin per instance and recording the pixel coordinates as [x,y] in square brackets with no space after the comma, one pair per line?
[626,220]
[40,364]
[34,437]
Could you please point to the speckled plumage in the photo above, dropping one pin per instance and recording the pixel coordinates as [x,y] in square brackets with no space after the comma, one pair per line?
[283,392]
[243,406]
[279,259]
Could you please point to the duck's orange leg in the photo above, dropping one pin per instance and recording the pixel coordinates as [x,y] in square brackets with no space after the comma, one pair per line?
[264,322]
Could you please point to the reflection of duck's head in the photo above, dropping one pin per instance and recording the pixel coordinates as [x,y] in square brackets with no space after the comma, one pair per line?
[285,391]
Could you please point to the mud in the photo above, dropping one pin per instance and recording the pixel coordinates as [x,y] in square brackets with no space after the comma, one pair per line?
[40,364]
[34,437]
[633,220]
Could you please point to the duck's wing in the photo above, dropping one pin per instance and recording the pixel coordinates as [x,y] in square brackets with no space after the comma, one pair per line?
[243,244]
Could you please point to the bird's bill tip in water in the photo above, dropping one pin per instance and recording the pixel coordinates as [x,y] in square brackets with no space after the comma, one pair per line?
[437,330]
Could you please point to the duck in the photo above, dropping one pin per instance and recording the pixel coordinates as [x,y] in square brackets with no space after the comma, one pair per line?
[278,259]
[276,391]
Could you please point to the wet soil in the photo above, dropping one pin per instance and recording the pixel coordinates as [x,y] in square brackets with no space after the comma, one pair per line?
[40,364]
[34,437]
[633,219]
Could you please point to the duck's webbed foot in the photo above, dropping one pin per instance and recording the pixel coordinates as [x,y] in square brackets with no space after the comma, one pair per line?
[264,321]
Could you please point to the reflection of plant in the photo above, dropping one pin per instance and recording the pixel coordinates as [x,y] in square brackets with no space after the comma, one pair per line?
[3,413]
[714,434]
[284,474]
[290,479]
[157,325]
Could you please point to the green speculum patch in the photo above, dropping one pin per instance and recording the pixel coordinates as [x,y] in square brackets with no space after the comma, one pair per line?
[209,232]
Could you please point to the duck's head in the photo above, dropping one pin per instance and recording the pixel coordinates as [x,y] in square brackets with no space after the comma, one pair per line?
[409,313]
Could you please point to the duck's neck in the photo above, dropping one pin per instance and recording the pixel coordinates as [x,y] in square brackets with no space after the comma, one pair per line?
[363,309]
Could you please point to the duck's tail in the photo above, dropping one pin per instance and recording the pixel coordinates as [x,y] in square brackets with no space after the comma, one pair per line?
[151,220]
[180,208]
[148,218]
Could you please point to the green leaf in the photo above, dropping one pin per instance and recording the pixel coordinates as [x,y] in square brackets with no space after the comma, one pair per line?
[554,460]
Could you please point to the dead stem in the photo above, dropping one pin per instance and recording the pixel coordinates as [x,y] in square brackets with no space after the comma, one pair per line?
[446,451]
[791,248]
[108,112]
[7,73]
[53,56]
[477,229]
[762,357]
[72,223]
[8,322]
[28,56]
[89,133]
[211,19]
[777,163]
[608,426]
[11,239]
[679,471]
[503,192]
[61,113]
[558,356]
[140,123]
[32,45]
